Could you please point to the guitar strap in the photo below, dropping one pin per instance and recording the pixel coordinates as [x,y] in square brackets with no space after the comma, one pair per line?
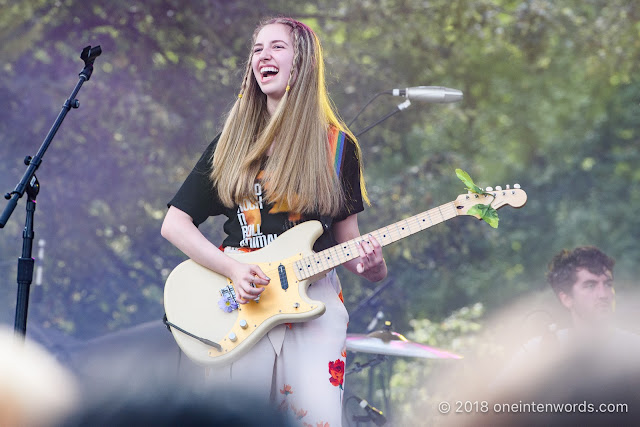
[336,147]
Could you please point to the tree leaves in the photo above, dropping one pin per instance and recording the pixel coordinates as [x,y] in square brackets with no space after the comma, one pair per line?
[486,212]
[466,179]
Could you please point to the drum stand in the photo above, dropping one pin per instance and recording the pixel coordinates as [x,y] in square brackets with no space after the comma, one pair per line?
[375,417]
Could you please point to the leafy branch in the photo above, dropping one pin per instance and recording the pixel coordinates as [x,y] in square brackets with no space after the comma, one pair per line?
[485,212]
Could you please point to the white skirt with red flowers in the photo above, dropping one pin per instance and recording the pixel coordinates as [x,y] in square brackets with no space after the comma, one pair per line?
[299,367]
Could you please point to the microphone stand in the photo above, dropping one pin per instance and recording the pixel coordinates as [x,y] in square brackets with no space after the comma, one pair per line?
[371,300]
[29,184]
[400,107]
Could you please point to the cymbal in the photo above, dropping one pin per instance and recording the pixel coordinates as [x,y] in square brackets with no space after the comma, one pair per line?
[394,344]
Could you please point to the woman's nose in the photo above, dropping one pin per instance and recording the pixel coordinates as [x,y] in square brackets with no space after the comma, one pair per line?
[265,53]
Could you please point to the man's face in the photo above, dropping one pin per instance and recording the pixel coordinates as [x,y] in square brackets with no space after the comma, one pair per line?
[592,297]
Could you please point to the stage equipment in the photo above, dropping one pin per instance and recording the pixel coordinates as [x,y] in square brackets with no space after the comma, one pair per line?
[432,94]
[387,342]
[29,184]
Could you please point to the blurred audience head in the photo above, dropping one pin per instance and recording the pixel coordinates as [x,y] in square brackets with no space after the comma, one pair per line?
[35,389]
[166,402]
[121,388]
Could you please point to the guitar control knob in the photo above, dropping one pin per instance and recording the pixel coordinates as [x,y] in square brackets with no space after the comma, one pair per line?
[243,324]
[233,337]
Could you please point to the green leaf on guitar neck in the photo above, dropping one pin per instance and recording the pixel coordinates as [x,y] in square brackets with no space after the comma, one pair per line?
[487,213]
[466,179]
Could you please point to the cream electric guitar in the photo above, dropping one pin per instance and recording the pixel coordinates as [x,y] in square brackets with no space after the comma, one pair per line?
[211,335]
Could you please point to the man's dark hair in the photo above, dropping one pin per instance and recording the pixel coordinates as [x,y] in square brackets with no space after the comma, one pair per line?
[563,268]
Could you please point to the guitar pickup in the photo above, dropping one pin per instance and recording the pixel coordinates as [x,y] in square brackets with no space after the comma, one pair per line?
[282,272]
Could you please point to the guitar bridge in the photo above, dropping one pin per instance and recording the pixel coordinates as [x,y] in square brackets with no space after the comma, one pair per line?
[229,293]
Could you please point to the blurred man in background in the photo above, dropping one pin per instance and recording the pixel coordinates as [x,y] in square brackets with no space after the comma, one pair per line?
[590,363]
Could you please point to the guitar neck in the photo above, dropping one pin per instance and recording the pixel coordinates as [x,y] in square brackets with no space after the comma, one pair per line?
[337,255]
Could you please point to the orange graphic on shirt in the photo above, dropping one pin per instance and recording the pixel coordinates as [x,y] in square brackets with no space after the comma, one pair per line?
[281,206]
[253,217]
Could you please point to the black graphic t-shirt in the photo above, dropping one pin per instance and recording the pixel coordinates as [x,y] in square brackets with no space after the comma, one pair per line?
[253,225]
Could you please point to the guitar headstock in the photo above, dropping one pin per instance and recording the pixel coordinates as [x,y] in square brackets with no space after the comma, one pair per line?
[498,197]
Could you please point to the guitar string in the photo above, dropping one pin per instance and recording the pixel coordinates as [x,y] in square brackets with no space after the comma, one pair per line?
[410,222]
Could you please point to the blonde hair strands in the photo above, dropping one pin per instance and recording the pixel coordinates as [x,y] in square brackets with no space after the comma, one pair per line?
[298,173]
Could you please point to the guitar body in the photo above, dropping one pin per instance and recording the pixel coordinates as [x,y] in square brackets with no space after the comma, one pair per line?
[192,292]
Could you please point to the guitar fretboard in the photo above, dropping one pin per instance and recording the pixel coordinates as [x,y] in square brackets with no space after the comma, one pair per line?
[329,258]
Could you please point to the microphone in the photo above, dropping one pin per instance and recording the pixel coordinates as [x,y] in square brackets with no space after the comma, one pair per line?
[374,414]
[434,94]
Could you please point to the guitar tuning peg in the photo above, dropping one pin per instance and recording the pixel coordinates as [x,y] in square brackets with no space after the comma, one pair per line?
[516,185]
[508,186]
[498,188]
[489,189]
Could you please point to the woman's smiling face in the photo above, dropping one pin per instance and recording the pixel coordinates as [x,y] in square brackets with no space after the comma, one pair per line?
[272,60]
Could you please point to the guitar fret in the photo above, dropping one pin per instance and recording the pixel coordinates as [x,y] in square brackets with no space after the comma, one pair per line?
[407,226]
[335,260]
[386,236]
[315,264]
[400,229]
[327,258]
[346,250]
[308,266]
[321,260]
[424,224]
[299,269]
[351,250]
[397,230]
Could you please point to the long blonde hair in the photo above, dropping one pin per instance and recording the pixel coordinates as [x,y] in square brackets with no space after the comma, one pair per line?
[298,173]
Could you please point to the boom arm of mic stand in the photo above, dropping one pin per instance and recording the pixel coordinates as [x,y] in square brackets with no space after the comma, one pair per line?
[399,108]
[88,55]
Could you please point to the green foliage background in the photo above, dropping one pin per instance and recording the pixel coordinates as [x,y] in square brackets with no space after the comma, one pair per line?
[551,98]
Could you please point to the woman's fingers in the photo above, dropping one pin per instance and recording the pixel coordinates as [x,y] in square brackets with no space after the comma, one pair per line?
[259,278]
[370,253]
[251,283]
